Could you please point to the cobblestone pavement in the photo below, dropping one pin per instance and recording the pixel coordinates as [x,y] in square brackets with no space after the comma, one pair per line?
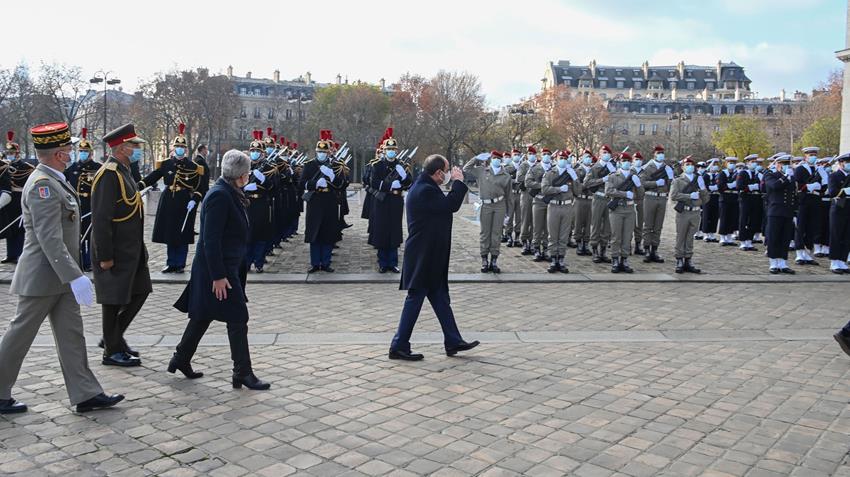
[356,256]
[722,394]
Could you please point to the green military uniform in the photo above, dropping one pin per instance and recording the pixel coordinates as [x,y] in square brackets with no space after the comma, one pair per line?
[637,168]
[691,192]
[600,224]
[560,186]
[534,184]
[622,217]
[513,221]
[581,229]
[494,190]
[656,178]
[525,203]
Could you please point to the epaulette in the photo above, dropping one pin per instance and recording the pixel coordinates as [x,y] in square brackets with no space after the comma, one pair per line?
[308,160]
[374,161]
[200,170]
[111,166]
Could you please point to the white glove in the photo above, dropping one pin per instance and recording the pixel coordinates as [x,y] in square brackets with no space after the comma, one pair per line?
[191,204]
[483,156]
[565,188]
[610,167]
[636,180]
[732,185]
[660,182]
[250,187]
[572,173]
[753,187]
[846,191]
[321,182]
[5,199]
[700,182]
[328,172]
[259,175]
[83,291]
[629,195]
[712,188]
[401,172]
[669,171]
[694,195]
[395,185]
[813,187]
[605,179]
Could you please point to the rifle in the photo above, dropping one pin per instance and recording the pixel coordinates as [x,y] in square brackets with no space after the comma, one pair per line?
[562,179]
[627,185]
[380,195]
[690,188]
[840,201]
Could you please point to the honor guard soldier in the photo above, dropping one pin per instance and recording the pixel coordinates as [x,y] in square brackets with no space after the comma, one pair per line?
[526,200]
[701,168]
[600,223]
[340,167]
[367,187]
[19,172]
[80,175]
[272,187]
[495,187]
[727,185]
[623,188]
[6,218]
[389,179]
[513,221]
[560,186]
[637,168]
[175,214]
[534,184]
[318,180]
[292,192]
[839,216]
[750,205]
[288,191]
[688,192]
[824,169]
[581,210]
[781,189]
[260,213]
[121,276]
[711,209]
[656,178]
[810,188]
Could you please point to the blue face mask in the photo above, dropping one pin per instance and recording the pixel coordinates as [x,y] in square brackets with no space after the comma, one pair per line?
[269,151]
[255,155]
[715,168]
[730,167]
[496,162]
[638,162]
[751,166]
[137,155]
[563,163]
[516,159]
[812,159]
[759,168]
[73,156]
[625,165]
[547,158]
[10,158]
[659,157]
[84,155]
[391,154]
[700,170]
[606,157]
[847,166]
[322,156]
[179,151]
[689,169]
[532,158]
[496,165]
[586,160]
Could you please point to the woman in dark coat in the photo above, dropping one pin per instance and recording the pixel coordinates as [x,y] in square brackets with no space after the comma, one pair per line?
[216,289]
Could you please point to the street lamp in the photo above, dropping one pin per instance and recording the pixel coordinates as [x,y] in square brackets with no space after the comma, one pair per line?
[301,100]
[103,77]
[522,112]
[679,117]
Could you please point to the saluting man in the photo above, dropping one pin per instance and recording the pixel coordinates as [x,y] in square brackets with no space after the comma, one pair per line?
[121,275]
[389,178]
[689,192]
[600,223]
[534,184]
[80,175]
[656,178]
[494,190]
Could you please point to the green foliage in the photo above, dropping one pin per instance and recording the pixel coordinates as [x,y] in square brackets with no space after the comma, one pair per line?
[741,136]
[824,133]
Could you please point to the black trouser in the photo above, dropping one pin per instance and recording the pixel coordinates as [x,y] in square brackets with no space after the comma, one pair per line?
[749,216]
[808,222]
[779,233]
[728,213]
[237,334]
[839,232]
[116,320]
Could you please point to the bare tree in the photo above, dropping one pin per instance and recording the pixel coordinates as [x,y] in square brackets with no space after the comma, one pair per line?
[63,90]
[452,105]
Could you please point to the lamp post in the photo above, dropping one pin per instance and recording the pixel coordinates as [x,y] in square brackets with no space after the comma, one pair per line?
[103,77]
[522,112]
[301,100]
[679,117]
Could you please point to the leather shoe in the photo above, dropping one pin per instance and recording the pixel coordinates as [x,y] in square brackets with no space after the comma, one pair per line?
[250,381]
[382,269]
[394,270]
[787,270]
[464,346]
[405,355]
[129,351]
[774,271]
[10,406]
[185,368]
[842,340]
[9,260]
[314,269]
[327,268]
[121,359]
[168,269]
[101,401]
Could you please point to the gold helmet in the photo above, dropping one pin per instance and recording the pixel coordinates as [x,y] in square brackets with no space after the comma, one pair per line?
[84,144]
[180,139]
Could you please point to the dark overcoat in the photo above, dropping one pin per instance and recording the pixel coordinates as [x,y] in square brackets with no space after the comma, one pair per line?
[385,216]
[322,222]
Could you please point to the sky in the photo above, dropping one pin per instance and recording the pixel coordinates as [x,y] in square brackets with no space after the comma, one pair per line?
[786,44]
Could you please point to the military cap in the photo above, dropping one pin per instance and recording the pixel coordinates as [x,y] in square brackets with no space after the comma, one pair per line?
[11,145]
[257,143]
[564,153]
[658,148]
[752,157]
[269,139]
[515,151]
[50,135]
[389,141]
[811,150]
[638,155]
[545,150]
[625,156]
[532,150]
[843,157]
[324,144]
[784,158]
[122,134]
[606,148]
[731,159]
[495,153]
[688,160]
[701,164]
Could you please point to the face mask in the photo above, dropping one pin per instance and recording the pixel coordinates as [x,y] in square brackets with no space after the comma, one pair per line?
[391,154]
[730,167]
[715,168]
[137,155]
[638,162]
[255,155]
[586,161]
[659,157]
[10,158]
[516,159]
[446,178]
[269,150]
[700,170]
[751,166]
[625,165]
[179,151]
[496,167]
[563,163]
[322,156]
[759,168]
[72,155]
[812,159]
[532,158]
[689,169]
[547,158]
[496,162]
[84,155]
[606,157]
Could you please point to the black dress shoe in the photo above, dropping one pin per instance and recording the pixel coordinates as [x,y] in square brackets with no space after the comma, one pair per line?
[185,368]
[101,401]
[87,268]
[10,406]
[327,268]
[258,269]
[405,355]
[842,340]
[837,271]
[168,269]
[121,359]
[382,269]
[9,260]
[129,351]
[774,271]
[787,270]
[345,226]
[180,270]
[394,270]
[250,381]
[461,347]
[314,269]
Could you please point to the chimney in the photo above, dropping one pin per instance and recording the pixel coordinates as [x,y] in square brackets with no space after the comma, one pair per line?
[782,95]
[719,68]
[645,67]
[631,93]
[383,84]
[229,72]
[681,67]
[248,75]
[737,93]
[309,78]
[593,68]
[338,78]
[277,76]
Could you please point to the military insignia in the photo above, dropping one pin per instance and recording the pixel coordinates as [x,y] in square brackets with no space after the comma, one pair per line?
[44,192]
[201,170]
[72,216]
[111,166]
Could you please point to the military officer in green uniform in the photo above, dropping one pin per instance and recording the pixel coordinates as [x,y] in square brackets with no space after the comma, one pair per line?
[688,193]
[494,190]
[560,186]
[623,188]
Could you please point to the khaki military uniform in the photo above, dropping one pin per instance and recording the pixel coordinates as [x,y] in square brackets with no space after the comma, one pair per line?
[582,210]
[525,203]
[534,184]
[494,190]
[639,216]
[655,203]
[600,224]
[560,208]
[687,221]
[513,221]
[49,262]
[623,217]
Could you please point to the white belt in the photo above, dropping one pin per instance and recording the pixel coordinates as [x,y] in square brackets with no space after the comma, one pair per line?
[825,199]
[561,202]
[599,194]
[692,208]
[656,194]
[493,201]
[539,196]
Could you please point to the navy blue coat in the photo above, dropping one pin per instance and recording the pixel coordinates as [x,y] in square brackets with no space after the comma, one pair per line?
[781,194]
[220,253]
[429,233]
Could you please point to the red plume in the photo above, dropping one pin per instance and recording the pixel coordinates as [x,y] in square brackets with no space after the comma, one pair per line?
[283,141]
[323,134]
[269,132]
[10,135]
[330,135]
[294,145]
[336,145]
[84,133]
[389,133]
[181,128]
[256,137]
[260,135]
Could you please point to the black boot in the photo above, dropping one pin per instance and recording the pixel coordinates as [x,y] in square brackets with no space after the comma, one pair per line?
[177,364]
[563,264]
[249,381]
[546,253]
[526,248]
[596,257]
[504,238]
[538,254]
[485,264]
[510,242]
[690,268]
[638,248]
[615,265]
[493,267]
[602,255]
[554,266]
[680,265]
[647,254]
[624,265]
[654,255]
[582,249]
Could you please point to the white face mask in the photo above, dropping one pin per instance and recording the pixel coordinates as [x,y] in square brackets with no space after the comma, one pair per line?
[446,177]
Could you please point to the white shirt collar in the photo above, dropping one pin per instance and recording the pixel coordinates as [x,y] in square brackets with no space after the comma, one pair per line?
[54,172]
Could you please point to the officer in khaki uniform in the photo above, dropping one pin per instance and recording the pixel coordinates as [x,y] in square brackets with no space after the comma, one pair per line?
[49,281]
[494,190]
[600,224]
[513,221]
[526,200]
[560,186]
[581,210]
[656,178]
[688,193]
[623,215]
[534,184]
[637,168]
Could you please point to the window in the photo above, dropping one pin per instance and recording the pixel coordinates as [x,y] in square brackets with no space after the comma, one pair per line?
[691,85]
[288,114]
[603,84]
[769,111]
[256,112]
[654,129]
[643,109]
[642,129]
[271,113]
[755,109]
[625,130]
[603,95]
[686,110]
[668,130]
[655,110]
[668,109]
[243,90]
[243,134]
[619,84]
[637,84]
[585,84]
[243,113]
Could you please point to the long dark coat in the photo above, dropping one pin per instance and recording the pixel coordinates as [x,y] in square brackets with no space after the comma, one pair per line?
[117,234]
[220,254]
[171,210]
[322,223]
[429,233]
[385,216]
[261,208]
